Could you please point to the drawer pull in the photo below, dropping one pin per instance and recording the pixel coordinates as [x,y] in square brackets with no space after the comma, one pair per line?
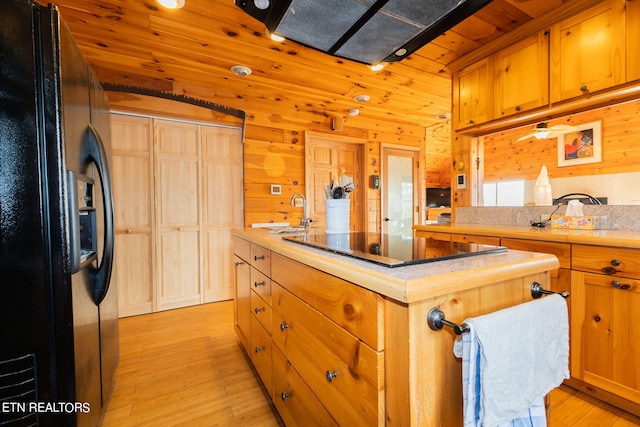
[284,396]
[584,88]
[256,284]
[615,262]
[609,271]
[331,375]
[258,258]
[284,326]
[258,310]
[237,263]
[259,349]
[618,285]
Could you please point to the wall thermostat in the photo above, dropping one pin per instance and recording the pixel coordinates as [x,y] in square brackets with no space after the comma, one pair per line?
[276,189]
[461,181]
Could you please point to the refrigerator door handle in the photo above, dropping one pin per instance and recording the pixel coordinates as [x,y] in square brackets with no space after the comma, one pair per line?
[96,153]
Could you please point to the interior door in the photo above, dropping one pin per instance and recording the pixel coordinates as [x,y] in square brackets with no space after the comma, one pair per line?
[330,157]
[400,185]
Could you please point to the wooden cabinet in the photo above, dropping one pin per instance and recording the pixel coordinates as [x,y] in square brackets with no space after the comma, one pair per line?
[173,232]
[332,334]
[482,240]
[295,401]
[522,75]
[433,235]
[345,373]
[132,173]
[588,51]
[632,16]
[473,94]
[242,291]
[605,338]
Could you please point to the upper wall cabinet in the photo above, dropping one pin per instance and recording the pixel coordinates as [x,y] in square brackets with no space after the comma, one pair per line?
[588,51]
[473,94]
[522,75]
[633,39]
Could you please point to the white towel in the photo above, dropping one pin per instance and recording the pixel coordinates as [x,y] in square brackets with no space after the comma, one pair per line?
[511,359]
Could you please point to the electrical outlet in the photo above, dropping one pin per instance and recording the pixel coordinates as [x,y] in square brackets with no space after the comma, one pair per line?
[545,217]
[298,203]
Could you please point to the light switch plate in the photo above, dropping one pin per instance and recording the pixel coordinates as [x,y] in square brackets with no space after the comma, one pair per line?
[276,189]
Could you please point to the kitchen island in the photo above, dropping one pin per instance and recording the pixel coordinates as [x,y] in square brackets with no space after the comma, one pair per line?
[602,270]
[341,341]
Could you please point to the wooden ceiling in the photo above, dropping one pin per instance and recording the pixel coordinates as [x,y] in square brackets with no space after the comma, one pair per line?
[190,52]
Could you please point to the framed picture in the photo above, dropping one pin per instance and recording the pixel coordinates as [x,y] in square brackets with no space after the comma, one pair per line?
[581,146]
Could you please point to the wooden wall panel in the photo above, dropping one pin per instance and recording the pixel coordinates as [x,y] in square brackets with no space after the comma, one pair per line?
[506,158]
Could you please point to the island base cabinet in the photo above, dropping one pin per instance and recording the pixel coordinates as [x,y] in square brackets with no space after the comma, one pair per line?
[605,334]
[294,400]
[345,374]
[423,378]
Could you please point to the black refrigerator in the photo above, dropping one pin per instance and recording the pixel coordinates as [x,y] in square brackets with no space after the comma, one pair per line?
[58,299]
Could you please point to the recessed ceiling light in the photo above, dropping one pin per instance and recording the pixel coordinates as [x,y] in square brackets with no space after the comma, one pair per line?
[377,67]
[241,70]
[401,52]
[362,98]
[273,36]
[443,116]
[172,4]
[261,4]
[354,112]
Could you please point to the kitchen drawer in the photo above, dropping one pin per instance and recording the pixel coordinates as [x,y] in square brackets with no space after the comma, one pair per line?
[294,400]
[356,309]
[482,240]
[346,374]
[242,248]
[606,260]
[261,259]
[561,250]
[261,310]
[433,235]
[261,284]
[261,353]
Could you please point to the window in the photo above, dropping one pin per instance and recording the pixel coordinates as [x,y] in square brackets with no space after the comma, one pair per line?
[503,193]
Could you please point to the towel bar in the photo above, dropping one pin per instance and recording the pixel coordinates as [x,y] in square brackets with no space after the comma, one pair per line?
[436,321]
[537,291]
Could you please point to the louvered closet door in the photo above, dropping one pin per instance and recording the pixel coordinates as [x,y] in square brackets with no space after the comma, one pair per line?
[222,207]
[178,198]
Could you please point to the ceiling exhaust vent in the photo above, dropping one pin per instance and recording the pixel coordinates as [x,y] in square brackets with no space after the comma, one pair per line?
[366,31]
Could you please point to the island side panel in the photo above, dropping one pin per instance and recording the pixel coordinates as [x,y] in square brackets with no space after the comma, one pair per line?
[423,377]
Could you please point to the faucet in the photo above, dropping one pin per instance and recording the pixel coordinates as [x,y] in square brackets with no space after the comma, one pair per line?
[304,221]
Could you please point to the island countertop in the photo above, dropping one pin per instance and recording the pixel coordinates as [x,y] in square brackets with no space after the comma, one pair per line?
[411,283]
[616,238]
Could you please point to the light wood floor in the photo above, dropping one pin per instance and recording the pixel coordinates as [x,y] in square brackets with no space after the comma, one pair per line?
[185,368]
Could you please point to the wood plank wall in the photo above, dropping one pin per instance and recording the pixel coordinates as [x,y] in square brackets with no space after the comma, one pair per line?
[274,151]
[505,158]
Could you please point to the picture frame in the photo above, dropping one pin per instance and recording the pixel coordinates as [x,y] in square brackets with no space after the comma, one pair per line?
[581,146]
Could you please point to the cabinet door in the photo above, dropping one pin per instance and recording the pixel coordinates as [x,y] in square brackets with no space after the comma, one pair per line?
[605,333]
[222,207]
[261,353]
[178,214]
[522,72]
[632,37]
[132,193]
[473,95]
[243,301]
[588,51]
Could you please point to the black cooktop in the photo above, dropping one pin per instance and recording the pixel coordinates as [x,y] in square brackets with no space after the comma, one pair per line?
[391,250]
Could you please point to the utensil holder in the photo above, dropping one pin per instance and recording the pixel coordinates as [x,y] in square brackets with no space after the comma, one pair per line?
[338,215]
